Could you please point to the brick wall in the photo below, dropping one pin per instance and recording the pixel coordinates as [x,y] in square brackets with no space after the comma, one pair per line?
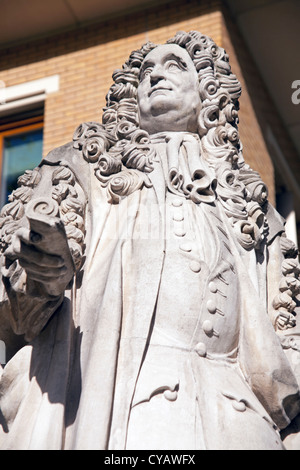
[86,58]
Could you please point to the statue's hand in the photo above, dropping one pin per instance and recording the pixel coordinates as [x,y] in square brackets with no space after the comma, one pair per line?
[285,320]
[53,271]
[42,248]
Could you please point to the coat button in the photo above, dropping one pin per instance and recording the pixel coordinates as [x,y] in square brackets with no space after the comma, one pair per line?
[177,203]
[195,266]
[208,328]
[178,217]
[186,247]
[239,405]
[211,306]
[212,287]
[171,396]
[200,349]
[180,232]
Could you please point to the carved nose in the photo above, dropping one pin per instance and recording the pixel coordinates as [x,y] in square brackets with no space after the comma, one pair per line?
[156,75]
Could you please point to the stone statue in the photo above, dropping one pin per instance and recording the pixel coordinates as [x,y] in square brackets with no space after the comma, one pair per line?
[149,294]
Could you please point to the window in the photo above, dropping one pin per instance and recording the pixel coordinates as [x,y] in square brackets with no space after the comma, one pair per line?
[21,146]
[21,128]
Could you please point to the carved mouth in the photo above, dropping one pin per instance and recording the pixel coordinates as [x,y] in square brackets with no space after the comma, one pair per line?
[159,89]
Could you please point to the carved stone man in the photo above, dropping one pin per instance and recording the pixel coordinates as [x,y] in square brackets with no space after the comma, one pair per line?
[149,294]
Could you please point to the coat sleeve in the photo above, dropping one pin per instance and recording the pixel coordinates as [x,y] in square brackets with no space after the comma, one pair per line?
[25,307]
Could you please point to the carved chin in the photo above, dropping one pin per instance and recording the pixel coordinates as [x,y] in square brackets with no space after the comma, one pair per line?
[161,105]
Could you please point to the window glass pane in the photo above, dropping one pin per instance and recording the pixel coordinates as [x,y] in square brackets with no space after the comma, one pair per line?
[20,152]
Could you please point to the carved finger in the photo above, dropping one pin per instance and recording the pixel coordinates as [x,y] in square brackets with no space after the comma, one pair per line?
[28,236]
[43,279]
[47,272]
[31,255]
[15,248]
[22,234]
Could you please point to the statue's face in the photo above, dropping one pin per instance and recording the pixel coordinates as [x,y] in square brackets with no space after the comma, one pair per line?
[168,96]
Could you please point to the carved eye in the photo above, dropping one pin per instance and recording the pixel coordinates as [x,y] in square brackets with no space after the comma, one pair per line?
[146,72]
[173,66]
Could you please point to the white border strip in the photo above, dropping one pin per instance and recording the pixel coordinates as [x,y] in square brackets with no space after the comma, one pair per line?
[11,96]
